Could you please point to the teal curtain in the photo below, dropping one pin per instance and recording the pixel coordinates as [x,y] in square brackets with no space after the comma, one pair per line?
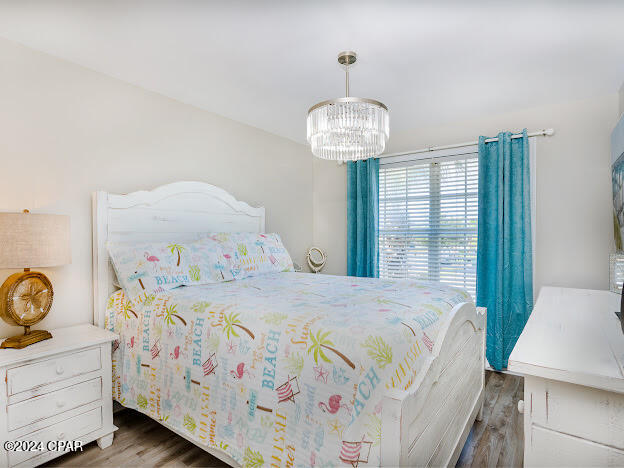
[363,218]
[504,250]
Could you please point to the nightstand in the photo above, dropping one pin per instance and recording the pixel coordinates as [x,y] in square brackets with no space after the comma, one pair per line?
[58,389]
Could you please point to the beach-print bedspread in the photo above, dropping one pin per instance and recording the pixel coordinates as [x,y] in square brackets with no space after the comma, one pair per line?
[282,369]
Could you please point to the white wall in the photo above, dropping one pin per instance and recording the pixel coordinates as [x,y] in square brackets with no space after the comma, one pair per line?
[574,226]
[66,131]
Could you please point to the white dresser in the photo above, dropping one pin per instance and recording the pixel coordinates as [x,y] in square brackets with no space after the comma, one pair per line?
[56,390]
[571,354]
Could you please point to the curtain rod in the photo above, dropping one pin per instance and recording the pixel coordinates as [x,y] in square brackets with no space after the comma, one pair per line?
[544,132]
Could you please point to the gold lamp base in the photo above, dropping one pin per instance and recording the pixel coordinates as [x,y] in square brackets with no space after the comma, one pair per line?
[29,337]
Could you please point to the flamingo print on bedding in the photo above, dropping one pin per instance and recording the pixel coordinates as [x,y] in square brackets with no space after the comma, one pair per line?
[282,369]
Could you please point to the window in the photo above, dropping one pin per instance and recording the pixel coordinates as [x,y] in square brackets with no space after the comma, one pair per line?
[428,218]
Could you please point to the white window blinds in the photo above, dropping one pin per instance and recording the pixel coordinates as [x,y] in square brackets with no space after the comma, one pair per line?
[428,220]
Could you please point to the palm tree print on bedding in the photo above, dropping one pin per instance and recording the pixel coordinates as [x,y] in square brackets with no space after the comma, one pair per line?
[283,369]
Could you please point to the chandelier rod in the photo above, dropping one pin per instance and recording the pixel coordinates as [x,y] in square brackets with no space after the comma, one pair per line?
[347,58]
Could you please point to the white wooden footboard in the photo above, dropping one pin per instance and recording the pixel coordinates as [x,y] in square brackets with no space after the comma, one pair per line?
[427,424]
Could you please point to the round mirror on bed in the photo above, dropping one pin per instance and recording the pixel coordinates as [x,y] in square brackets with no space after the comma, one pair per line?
[316,259]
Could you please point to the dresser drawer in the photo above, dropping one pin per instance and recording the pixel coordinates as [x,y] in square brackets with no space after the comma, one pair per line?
[551,448]
[41,407]
[584,412]
[70,429]
[24,378]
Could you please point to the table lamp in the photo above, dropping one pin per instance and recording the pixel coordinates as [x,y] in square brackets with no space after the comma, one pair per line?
[30,240]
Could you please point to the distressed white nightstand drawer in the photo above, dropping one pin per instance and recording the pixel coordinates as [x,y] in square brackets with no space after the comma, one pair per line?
[70,429]
[41,407]
[29,376]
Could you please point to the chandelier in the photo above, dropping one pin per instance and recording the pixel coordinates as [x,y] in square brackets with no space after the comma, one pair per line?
[348,128]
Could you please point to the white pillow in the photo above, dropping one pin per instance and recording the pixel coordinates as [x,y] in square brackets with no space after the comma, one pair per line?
[254,254]
[148,268]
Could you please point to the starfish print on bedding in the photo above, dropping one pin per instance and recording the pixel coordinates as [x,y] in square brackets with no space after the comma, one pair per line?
[335,426]
[321,373]
[231,347]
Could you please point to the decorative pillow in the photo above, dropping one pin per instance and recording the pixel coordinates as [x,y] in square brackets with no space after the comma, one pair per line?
[150,268]
[208,262]
[254,254]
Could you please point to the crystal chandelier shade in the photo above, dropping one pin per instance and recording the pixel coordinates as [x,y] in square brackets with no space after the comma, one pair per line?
[349,128]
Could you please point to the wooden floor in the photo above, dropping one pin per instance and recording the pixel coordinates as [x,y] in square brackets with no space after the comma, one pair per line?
[497,440]
[140,441]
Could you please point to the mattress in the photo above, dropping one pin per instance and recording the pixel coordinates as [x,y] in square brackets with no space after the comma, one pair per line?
[284,369]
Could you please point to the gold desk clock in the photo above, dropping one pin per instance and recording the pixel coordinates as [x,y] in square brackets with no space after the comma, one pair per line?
[27,240]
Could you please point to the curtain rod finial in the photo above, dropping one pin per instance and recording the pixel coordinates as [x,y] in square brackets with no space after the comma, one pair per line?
[549,132]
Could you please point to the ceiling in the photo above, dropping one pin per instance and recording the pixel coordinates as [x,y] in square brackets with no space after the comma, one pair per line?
[265,63]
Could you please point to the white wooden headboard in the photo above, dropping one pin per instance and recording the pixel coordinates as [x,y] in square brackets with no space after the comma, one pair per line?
[182,211]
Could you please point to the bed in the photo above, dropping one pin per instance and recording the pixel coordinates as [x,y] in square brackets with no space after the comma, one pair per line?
[360,371]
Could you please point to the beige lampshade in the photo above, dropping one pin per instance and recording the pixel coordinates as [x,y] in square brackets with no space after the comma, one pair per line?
[34,240]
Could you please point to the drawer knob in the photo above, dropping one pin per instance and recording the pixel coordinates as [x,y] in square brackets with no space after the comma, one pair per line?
[60,403]
[59,369]
[61,436]
[521,406]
